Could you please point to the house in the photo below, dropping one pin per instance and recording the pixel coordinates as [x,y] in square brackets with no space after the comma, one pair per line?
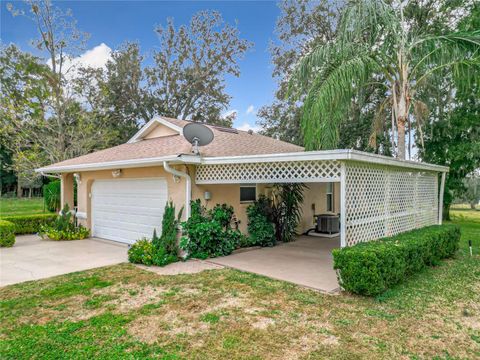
[122,191]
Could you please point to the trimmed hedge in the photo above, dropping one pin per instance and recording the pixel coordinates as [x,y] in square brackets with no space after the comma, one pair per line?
[373,267]
[30,224]
[7,233]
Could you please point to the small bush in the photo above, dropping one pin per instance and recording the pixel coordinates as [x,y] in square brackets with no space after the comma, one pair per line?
[51,195]
[160,251]
[30,224]
[261,230]
[141,252]
[373,267]
[209,233]
[7,233]
[64,228]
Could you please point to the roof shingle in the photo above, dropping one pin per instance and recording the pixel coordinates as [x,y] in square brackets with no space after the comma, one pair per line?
[224,144]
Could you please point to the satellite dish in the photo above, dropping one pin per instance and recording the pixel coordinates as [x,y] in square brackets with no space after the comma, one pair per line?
[197,135]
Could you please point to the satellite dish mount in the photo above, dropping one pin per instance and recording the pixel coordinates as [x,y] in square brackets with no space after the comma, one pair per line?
[197,135]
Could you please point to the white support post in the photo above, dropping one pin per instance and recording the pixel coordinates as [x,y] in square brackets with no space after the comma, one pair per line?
[440,199]
[343,207]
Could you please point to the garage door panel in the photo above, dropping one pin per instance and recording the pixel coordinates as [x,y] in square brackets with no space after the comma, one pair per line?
[130,224]
[127,210]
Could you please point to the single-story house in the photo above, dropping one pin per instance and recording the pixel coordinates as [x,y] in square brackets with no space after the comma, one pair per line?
[122,191]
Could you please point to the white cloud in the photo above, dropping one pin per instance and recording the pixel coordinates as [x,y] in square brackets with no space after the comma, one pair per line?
[250,109]
[96,58]
[246,126]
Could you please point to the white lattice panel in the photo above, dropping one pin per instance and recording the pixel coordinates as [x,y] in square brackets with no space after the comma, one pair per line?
[289,171]
[384,200]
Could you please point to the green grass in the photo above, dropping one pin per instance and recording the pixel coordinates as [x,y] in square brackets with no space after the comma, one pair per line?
[23,206]
[124,312]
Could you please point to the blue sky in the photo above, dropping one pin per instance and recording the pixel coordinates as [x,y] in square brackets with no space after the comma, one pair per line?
[114,22]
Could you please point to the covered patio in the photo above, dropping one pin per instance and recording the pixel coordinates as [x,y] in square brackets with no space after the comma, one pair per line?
[379,196]
[307,262]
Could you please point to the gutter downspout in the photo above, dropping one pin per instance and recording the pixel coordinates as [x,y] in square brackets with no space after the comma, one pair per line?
[188,186]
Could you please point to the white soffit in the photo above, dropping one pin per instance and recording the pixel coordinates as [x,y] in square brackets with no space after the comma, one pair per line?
[150,125]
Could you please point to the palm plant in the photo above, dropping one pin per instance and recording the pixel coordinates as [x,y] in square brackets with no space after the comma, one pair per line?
[375,45]
[286,209]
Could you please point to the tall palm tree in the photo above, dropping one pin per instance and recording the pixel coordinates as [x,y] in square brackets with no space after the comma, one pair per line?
[376,45]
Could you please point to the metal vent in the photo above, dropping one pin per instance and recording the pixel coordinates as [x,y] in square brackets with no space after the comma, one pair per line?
[225,129]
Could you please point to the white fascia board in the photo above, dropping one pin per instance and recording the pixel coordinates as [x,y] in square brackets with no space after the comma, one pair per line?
[340,154]
[385,160]
[155,120]
[110,165]
[282,157]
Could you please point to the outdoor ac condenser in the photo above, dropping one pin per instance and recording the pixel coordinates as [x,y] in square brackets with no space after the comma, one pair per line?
[327,223]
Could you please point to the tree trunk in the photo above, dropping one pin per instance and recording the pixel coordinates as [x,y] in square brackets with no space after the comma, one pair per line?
[401,137]
[472,205]
[19,190]
[446,212]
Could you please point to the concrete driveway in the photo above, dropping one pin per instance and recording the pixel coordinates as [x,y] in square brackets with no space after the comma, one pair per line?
[32,258]
[307,261]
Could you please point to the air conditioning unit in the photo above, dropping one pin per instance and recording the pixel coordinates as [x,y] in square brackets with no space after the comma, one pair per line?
[328,224]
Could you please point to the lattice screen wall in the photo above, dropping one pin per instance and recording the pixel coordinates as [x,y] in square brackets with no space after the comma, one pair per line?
[385,200]
[290,171]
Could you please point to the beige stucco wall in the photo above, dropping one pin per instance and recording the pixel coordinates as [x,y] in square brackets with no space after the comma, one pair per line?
[176,190]
[228,194]
[160,131]
[220,193]
[316,203]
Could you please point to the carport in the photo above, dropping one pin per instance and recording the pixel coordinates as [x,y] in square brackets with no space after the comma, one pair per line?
[307,262]
[379,196]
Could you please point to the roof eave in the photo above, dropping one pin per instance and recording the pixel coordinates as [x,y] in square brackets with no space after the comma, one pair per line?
[155,120]
[132,163]
[338,154]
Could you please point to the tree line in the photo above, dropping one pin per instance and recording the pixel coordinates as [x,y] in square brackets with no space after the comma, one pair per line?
[395,78]
[53,108]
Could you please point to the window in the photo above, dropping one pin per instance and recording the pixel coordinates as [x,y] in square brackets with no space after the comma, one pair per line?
[248,193]
[330,197]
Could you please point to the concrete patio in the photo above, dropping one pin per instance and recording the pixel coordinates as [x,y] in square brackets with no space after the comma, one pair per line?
[307,261]
[32,258]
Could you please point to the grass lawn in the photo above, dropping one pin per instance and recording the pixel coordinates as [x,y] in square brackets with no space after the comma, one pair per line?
[124,312]
[23,206]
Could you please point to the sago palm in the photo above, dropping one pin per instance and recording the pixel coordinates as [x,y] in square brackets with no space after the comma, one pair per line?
[376,45]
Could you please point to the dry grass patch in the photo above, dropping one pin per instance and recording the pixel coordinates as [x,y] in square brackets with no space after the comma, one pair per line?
[123,311]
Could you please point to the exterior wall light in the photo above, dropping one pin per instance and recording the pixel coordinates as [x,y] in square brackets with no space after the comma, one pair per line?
[117,173]
[78,178]
[207,195]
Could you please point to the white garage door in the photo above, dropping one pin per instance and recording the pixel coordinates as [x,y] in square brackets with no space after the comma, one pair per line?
[127,210]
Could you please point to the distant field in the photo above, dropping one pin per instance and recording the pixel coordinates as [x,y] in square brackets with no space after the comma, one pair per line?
[463,207]
[26,206]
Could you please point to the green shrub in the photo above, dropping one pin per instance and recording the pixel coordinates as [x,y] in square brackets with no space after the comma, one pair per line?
[261,230]
[64,228]
[30,224]
[141,252]
[160,251]
[373,267]
[168,238]
[208,233]
[51,195]
[7,233]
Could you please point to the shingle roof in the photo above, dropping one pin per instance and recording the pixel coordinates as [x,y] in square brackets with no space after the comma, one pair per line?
[225,143]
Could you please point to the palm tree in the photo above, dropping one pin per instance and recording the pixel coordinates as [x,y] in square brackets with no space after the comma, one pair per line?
[375,45]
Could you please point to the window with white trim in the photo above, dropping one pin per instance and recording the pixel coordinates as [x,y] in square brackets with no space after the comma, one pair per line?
[248,193]
[330,197]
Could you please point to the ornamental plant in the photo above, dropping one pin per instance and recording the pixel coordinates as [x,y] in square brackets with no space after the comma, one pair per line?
[209,233]
[159,251]
[64,228]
